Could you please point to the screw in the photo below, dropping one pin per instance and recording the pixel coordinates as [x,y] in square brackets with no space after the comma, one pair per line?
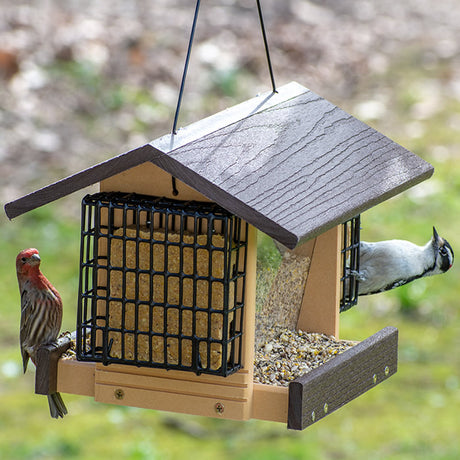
[374,378]
[387,370]
[119,393]
[219,408]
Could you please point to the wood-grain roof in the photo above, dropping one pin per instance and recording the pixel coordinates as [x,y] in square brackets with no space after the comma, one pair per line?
[290,163]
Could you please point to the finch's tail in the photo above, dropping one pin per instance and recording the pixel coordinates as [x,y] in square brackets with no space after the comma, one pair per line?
[57,406]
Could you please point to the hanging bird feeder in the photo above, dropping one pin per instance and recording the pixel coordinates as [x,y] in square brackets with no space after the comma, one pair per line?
[167,315]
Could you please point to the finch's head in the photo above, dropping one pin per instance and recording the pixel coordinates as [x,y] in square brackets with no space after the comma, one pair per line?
[27,259]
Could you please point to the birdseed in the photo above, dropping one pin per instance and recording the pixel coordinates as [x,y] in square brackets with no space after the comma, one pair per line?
[291,354]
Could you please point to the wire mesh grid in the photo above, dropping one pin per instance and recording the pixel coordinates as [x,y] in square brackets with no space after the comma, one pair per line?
[161,283]
[350,263]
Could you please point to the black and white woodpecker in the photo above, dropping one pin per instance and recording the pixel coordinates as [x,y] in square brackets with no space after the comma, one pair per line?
[385,265]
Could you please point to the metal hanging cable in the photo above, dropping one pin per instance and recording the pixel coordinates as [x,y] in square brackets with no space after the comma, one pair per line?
[267,52]
[187,60]
[175,192]
[189,51]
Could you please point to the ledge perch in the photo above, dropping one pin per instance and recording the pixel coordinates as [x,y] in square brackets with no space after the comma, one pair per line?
[355,371]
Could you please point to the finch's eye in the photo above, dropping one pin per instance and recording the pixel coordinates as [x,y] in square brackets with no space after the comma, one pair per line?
[24,260]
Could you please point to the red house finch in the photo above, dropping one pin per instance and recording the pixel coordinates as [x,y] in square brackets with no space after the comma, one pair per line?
[41,315]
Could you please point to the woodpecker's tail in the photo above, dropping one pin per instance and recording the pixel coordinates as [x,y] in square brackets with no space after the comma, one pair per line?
[57,406]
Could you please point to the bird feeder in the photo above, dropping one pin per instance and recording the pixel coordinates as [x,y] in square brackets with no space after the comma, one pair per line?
[166,315]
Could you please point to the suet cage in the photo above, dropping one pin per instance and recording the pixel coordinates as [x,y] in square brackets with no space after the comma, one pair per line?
[161,283]
[349,283]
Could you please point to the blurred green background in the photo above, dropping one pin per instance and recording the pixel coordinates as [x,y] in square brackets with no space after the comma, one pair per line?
[87,80]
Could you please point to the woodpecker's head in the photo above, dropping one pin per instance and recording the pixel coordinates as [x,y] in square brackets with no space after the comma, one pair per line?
[443,251]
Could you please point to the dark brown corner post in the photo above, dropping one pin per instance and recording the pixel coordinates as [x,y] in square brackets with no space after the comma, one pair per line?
[47,358]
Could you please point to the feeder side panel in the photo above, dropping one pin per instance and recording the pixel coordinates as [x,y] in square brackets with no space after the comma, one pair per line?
[175,391]
[270,403]
[320,306]
[76,377]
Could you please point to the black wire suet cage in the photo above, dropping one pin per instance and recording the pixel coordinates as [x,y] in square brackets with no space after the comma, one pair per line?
[350,263]
[161,283]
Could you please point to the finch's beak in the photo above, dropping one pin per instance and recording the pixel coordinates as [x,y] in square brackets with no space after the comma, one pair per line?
[34,259]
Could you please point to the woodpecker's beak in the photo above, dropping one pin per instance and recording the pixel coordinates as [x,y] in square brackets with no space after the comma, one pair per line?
[435,235]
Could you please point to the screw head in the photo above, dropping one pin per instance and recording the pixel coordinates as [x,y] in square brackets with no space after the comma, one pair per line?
[374,378]
[219,408]
[119,393]
[313,416]
[325,408]
[387,370]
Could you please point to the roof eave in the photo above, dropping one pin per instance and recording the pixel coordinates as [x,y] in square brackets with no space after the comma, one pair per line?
[78,181]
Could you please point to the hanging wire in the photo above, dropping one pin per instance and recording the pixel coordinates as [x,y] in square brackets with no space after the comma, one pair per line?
[267,52]
[189,51]
[187,60]
[175,192]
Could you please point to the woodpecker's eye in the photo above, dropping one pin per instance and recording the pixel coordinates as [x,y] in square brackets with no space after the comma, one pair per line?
[443,251]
